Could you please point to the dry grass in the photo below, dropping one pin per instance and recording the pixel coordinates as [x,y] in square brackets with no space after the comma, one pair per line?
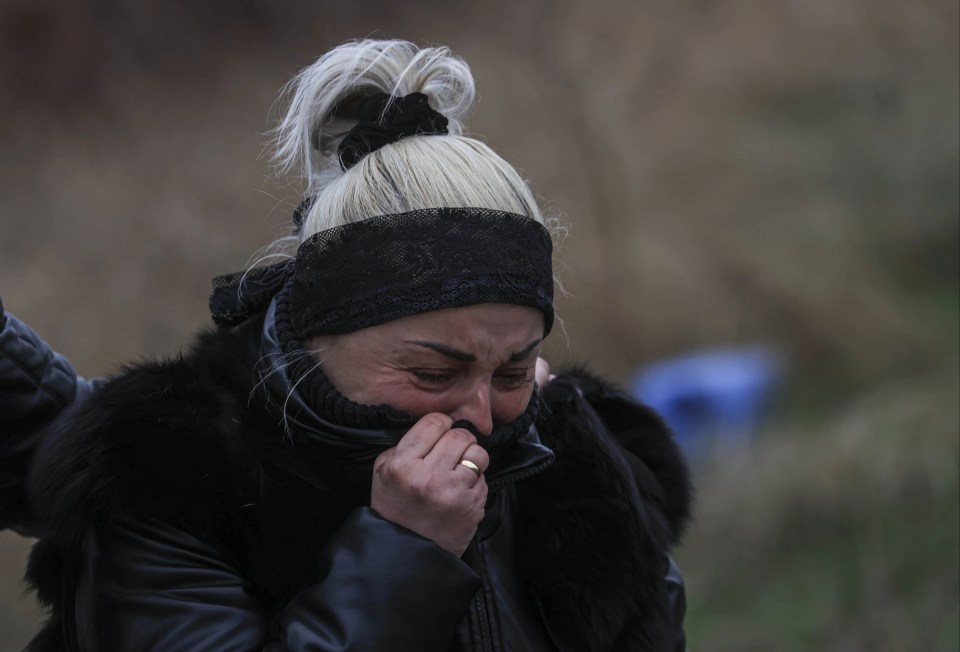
[840,535]
[733,172]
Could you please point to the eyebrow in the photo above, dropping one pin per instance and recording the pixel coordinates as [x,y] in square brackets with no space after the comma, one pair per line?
[520,355]
[463,356]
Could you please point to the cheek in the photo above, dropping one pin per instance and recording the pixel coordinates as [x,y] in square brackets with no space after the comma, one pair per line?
[504,406]
[407,398]
[508,406]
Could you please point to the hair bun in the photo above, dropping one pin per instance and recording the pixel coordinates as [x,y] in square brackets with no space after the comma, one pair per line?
[327,98]
[385,119]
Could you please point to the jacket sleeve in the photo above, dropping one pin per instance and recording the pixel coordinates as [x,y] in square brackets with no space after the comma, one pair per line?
[36,384]
[146,586]
[677,607]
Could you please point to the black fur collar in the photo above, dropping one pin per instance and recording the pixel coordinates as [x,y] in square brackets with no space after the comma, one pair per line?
[594,540]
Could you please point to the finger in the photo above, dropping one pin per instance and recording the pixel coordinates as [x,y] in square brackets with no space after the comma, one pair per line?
[424,435]
[469,466]
[476,456]
[450,448]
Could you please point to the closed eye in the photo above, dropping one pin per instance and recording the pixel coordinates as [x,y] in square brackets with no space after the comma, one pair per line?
[431,377]
[515,378]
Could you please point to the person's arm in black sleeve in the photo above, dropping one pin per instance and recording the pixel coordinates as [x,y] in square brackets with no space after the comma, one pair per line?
[36,384]
[385,588]
[147,587]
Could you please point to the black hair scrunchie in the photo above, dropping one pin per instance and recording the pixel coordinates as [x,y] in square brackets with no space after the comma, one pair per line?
[385,119]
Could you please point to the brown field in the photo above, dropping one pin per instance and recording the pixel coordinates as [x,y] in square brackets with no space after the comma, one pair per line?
[731,172]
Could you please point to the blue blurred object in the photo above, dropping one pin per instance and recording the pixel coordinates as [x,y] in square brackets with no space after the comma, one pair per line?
[713,398]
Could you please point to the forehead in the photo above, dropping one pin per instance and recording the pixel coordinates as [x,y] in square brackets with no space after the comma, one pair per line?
[490,326]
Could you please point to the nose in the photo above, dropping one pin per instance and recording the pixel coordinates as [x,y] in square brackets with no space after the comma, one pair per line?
[476,408]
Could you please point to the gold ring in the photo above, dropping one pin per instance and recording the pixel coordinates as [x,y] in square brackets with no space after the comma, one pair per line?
[473,467]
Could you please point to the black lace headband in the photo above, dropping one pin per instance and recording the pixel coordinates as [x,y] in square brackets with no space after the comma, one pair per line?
[383,268]
[392,266]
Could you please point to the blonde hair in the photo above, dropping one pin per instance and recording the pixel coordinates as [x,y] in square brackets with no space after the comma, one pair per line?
[417,172]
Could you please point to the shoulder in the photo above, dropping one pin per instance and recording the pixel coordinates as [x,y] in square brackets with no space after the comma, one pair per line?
[617,495]
[588,420]
[165,439]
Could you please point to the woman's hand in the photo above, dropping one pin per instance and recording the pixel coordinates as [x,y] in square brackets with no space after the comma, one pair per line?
[422,485]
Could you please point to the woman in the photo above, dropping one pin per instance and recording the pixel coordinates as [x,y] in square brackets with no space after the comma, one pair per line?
[358,458]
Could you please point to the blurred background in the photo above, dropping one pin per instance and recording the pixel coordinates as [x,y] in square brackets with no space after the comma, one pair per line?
[780,176]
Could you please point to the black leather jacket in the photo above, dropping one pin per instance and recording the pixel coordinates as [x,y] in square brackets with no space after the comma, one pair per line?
[173,525]
[384,588]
